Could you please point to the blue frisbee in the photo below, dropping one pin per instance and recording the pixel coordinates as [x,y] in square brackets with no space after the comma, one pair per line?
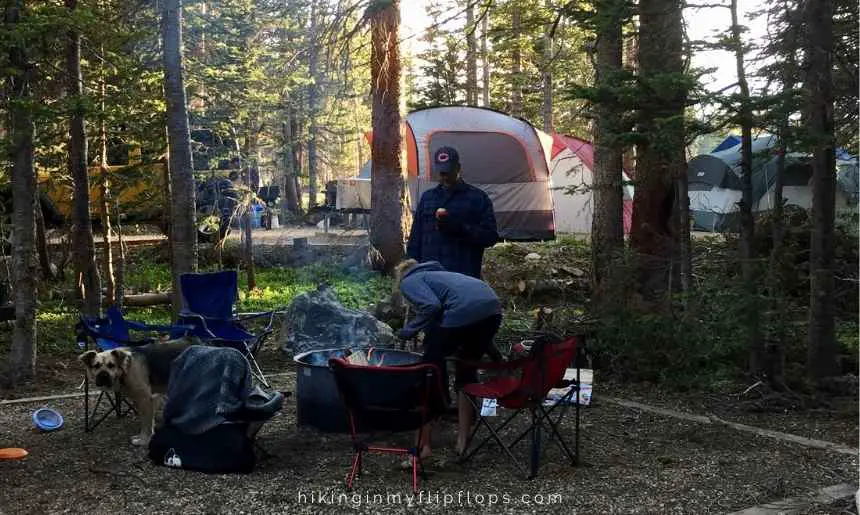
[47,419]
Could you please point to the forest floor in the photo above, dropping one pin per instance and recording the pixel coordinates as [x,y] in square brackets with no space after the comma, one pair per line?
[633,461]
[645,448]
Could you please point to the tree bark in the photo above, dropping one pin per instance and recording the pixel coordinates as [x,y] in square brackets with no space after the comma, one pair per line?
[87,279]
[747,252]
[659,163]
[546,75]
[22,355]
[42,245]
[389,219]
[607,227]
[107,243]
[471,56]
[313,106]
[291,202]
[248,218]
[183,233]
[822,347]
[517,65]
[485,59]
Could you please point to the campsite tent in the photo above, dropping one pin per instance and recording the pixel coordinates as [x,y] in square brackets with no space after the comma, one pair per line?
[504,156]
[715,183]
[571,171]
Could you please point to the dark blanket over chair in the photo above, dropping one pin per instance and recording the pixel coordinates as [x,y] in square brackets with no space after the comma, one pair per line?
[207,386]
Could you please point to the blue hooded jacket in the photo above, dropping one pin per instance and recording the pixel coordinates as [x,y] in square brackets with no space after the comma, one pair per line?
[445,298]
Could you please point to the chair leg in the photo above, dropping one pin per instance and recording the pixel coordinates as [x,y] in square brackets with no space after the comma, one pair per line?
[356,466]
[256,371]
[415,472]
[494,432]
[86,403]
[559,439]
[535,451]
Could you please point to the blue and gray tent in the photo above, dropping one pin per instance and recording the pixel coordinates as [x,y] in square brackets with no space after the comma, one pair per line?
[715,183]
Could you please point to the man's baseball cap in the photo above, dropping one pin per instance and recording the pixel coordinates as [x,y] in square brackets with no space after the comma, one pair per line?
[445,160]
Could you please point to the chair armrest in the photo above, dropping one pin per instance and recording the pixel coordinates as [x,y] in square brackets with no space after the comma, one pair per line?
[142,326]
[241,317]
[201,318]
[515,364]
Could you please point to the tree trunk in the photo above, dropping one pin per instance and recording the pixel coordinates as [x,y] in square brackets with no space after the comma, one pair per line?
[659,163]
[485,59]
[248,218]
[517,66]
[546,75]
[183,233]
[313,107]
[389,219]
[87,279]
[107,243]
[119,286]
[607,227]
[471,56]
[822,347]
[22,355]
[42,245]
[290,202]
[754,342]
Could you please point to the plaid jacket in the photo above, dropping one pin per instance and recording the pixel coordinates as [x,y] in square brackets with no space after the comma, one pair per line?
[471,228]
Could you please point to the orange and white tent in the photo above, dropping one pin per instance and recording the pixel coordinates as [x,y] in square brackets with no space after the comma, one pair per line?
[506,157]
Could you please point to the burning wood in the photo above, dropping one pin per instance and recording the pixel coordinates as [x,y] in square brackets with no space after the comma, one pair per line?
[362,358]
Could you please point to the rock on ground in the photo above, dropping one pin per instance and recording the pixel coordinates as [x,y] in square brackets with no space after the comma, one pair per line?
[317,320]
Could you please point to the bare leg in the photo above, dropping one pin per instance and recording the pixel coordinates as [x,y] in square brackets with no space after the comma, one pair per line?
[423,443]
[466,418]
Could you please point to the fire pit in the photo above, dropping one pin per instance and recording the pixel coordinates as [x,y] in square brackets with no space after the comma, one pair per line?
[318,402]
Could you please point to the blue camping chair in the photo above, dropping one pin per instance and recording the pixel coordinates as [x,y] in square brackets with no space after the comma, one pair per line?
[209,306]
[108,333]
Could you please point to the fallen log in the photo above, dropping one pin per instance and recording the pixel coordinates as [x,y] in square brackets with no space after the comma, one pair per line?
[547,286]
[146,299]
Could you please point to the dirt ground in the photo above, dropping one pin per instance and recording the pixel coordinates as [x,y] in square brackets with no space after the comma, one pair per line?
[632,462]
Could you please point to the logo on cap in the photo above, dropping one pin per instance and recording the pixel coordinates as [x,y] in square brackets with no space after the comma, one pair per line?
[442,157]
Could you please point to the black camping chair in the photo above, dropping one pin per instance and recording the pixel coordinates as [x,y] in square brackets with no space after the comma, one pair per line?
[387,400]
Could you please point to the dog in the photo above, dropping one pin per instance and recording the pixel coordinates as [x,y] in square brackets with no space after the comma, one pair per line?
[139,373]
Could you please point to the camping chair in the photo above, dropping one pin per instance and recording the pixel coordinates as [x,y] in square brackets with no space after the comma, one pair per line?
[208,304]
[522,385]
[387,399]
[108,333]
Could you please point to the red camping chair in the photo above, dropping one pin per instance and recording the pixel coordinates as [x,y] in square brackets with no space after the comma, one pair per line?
[522,385]
[387,400]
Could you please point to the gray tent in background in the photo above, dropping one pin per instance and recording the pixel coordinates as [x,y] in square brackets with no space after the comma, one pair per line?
[715,184]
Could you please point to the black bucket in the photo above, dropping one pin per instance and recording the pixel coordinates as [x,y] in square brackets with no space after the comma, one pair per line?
[318,402]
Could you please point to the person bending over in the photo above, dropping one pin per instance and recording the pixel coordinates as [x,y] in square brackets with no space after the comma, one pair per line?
[458,314]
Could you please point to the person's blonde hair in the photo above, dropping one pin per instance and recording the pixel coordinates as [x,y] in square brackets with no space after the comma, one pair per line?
[399,271]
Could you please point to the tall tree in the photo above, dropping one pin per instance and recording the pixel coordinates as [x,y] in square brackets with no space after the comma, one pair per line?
[485,59]
[22,355]
[546,72]
[607,227]
[517,65]
[660,158]
[471,56]
[183,232]
[747,250]
[389,220]
[822,347]
[315,75]
[87,280]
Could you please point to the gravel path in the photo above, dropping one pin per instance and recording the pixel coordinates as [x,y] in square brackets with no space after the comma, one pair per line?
[633,462]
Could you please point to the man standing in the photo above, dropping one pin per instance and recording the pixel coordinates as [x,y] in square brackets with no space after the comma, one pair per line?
[454,221]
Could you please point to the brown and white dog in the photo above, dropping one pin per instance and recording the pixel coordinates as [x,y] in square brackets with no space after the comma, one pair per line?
[139,373]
